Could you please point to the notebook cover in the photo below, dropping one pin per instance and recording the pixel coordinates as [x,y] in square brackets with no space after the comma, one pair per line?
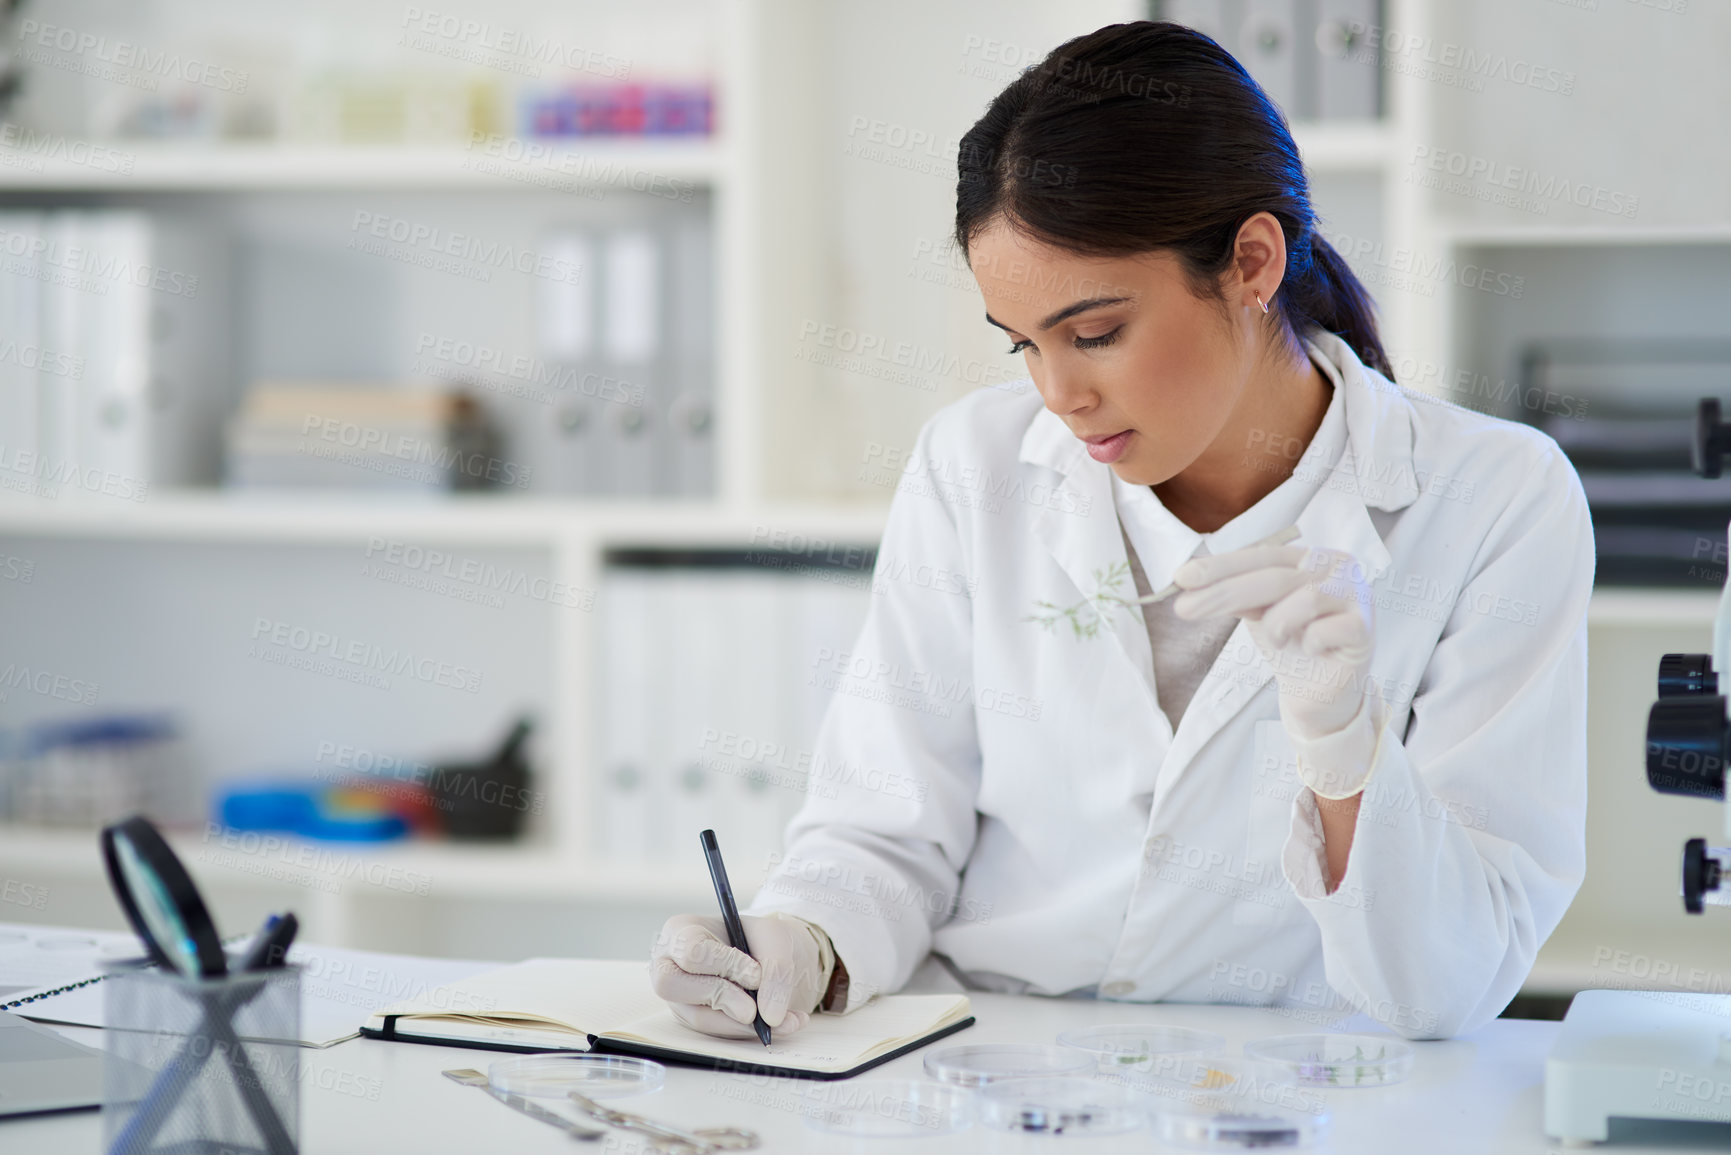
[685,1059]
[389,1034]
[605,1046]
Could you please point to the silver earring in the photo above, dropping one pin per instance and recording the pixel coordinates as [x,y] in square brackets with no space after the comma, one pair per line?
[1260,301]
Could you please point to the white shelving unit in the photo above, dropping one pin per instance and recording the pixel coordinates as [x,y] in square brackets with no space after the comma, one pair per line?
[1353,147]
[557,866]
[765,174]
[237,167]
[1584,236]
[749,176]
[1635,608]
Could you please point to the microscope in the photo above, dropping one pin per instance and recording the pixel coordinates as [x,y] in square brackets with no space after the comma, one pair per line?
[1663,1055]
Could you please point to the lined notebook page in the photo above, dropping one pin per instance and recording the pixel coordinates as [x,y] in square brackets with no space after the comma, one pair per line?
[588,996]
[827,1043]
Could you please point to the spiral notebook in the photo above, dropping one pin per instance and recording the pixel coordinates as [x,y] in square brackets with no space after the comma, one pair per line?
[550,1004]
[40,962]
[53,975]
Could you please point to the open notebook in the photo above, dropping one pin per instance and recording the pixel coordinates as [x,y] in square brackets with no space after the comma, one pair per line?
[550,1004]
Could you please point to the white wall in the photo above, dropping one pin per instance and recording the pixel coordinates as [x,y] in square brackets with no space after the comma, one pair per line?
[1644,118]
[920,74]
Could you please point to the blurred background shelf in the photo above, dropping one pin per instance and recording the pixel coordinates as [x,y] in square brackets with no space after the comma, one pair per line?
[1584,236]
[1635,608]
[397,872]
[497,165]
[1352,147]
[481,519]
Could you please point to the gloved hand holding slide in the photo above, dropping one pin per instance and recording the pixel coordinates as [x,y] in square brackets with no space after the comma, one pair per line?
[1310,612]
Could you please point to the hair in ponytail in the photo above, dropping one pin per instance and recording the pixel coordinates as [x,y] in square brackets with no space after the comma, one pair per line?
[1329,293]
[1150,136]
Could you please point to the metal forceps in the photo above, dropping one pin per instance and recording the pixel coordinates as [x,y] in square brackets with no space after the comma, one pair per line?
[671,1140]
[469,1077]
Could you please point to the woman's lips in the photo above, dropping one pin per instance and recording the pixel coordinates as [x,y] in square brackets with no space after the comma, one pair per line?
[1109,449]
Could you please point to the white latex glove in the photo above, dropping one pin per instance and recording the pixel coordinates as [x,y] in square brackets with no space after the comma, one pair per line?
[1311,614]
[706,982]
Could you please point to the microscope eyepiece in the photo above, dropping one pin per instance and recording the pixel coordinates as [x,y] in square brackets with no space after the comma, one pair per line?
[1681,674]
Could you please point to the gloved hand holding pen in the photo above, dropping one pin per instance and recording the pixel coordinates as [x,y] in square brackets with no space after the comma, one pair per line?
[1311,614]
[707,983]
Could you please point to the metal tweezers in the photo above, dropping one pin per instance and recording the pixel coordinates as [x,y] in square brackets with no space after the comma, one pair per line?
[470,1077]
[702,1141]
[671,1140]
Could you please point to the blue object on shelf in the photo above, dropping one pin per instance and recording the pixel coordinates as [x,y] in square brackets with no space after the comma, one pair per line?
[302,809]
[112,728]
[92,770]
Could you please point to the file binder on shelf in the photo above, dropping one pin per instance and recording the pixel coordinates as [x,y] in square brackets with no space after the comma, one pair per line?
[1316,59]
[112,415]
[566,444]
[830,619]
[61,334]
[688,454]
[20,323]
[708,704]
[757,750]
[695,666]
[566,308]
[1349,67]
[1269,46]
[567,435]
[630,645]
[633,345]
[632,304]
[114,379]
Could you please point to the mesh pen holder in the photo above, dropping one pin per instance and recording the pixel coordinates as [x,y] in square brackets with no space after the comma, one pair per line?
[201,1066]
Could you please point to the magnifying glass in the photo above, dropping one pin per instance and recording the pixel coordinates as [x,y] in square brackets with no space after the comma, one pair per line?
[160,900]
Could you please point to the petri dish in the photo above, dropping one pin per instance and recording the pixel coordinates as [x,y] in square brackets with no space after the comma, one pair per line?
[1063,1106]
[1140,1047]
[1229,1130]
[887,1108]
[1338,1060]
[597,1076]
[1218,1103]
[983,1063]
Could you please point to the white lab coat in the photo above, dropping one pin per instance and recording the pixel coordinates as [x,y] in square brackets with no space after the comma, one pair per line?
[1013,799]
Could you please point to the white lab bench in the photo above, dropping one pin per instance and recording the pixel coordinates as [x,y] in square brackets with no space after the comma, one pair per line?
[1483,1093]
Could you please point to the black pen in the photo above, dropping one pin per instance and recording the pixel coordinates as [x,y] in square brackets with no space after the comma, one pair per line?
[271,944]
[730,916]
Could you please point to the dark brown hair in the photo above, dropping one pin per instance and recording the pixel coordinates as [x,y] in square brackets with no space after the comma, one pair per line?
[1150,136]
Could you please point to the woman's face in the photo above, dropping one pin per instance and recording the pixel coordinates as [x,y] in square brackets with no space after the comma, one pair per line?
[1146,373]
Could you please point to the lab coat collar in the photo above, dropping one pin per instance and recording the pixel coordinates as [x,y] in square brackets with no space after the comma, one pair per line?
[1374,470]
[1379,431]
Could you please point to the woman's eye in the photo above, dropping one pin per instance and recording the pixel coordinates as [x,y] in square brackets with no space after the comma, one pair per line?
[1099,342]
[1018,346]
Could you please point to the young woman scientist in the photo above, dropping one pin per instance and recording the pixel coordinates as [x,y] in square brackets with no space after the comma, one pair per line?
[1343,773]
